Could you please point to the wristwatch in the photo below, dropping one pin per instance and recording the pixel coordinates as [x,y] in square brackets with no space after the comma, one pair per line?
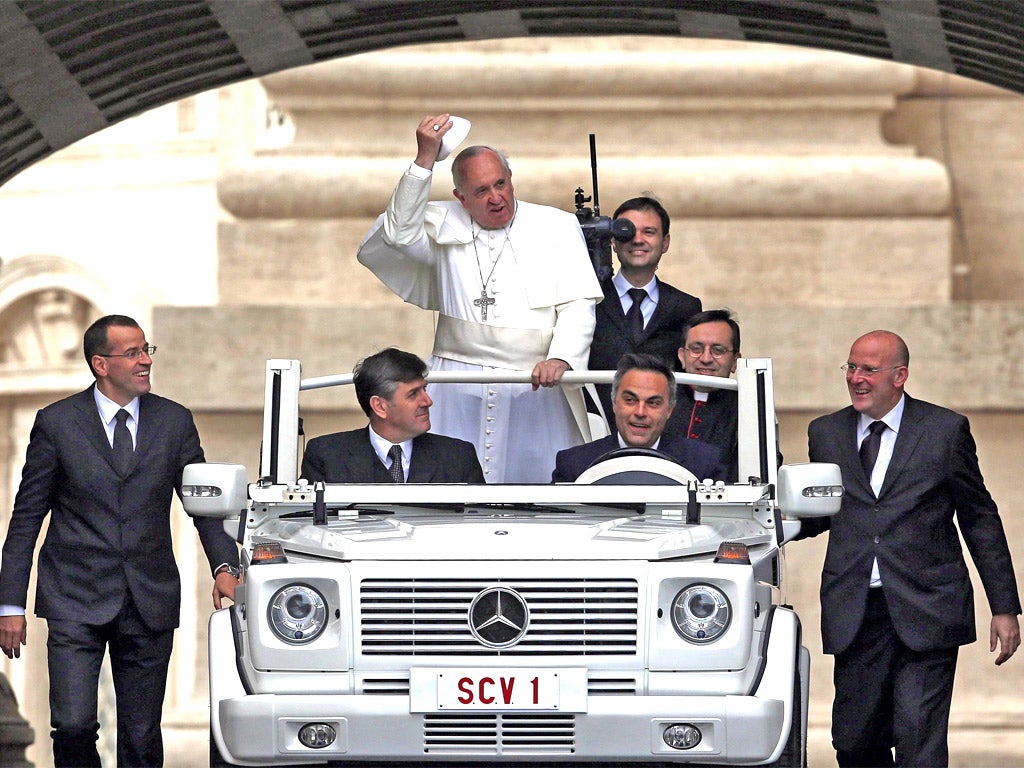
[234,570]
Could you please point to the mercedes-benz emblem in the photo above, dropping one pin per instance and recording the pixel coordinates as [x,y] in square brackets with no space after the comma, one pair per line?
[498,617]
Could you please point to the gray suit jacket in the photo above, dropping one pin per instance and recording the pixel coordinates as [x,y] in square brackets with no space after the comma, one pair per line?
[348,457]
[109,534]
[933,476]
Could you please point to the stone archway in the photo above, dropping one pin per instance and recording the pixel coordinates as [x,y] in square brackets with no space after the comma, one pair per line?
[42,329]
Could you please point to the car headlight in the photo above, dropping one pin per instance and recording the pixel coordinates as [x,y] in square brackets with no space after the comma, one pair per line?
[701,613]
[297,614]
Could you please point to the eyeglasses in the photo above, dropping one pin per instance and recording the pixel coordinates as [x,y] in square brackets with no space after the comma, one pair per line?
[133,354]
[716,350]
[865,370]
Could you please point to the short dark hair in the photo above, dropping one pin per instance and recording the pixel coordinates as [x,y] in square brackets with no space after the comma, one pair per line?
[380,374]
[477,149]
[641,361]
[713,316]
[644,203]
[96,340]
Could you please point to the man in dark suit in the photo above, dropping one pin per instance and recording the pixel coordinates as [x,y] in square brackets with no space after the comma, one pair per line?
[710,347]
[104,464]
[896,597]
[643,394]
[639,312]
[395,447]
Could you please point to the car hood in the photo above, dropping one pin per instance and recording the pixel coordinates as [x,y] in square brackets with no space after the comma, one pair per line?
[507,536]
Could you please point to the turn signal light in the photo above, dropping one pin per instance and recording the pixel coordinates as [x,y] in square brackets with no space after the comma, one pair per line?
[733,552]
[264,554]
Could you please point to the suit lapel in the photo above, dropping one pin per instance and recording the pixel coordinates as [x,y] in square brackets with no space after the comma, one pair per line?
[423,463]
[910,434]
[611,306]
[88,419]
[849,458]
[95,430]
[148,432]
[359,458]
[661,309]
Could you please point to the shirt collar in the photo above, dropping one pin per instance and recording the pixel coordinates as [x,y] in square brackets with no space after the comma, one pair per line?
[382,447]
[892,419]
[622,443]
[622,285]
[108,408]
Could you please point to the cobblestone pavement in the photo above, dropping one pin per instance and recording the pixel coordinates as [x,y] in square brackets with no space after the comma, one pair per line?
[968,747]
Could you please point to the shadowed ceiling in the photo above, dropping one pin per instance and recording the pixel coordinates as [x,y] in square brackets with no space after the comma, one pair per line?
[69,69]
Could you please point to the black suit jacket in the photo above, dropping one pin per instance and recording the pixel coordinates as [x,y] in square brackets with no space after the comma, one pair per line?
[700,458]
[108,534]
[661,337]
[713,421]
[933,475]
[348,457]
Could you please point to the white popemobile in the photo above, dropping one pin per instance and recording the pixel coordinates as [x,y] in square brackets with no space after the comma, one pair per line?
[634,616]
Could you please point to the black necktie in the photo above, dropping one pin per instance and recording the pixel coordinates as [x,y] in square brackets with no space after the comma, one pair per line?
[869,446]
[395,470]
[122,443]
[635,318]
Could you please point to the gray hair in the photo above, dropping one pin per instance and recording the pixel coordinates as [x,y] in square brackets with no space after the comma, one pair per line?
[641,361]
[471,152]
[380,374]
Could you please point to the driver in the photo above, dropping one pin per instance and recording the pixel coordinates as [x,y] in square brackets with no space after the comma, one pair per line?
[643,395]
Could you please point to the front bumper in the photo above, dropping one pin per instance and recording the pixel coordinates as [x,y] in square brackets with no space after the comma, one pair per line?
[262,729]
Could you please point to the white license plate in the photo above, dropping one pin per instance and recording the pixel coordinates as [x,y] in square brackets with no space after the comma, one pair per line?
[501,689]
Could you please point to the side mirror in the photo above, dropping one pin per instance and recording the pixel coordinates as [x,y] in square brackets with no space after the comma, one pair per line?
[810,490]
[214,490]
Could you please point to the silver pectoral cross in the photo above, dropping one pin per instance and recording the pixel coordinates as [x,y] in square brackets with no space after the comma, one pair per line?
[483,302]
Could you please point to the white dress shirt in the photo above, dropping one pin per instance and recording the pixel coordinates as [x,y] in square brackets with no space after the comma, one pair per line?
[647,306]
[892,420]
[382,448]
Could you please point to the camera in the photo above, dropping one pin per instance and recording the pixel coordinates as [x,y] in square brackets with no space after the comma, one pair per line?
[599,231]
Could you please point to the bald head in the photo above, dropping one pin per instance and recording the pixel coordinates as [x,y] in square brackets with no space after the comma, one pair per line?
[889,340]
[879,360]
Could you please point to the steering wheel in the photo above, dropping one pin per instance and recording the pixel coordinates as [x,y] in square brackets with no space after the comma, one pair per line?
[635,466]
[651,453]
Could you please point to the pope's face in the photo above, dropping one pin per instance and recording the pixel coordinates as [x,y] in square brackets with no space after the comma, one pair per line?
[486,191]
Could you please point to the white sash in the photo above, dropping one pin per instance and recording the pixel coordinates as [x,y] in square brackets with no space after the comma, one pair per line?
[515,349]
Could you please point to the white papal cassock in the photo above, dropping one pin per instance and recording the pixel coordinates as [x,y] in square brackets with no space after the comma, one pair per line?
[538,272]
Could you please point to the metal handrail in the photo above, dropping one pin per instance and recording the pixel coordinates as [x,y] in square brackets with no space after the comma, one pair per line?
[500,376]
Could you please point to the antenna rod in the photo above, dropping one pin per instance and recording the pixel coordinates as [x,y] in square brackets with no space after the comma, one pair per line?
[593,173]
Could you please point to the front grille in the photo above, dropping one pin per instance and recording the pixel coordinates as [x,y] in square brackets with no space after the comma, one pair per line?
[499,734]
[429,617]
